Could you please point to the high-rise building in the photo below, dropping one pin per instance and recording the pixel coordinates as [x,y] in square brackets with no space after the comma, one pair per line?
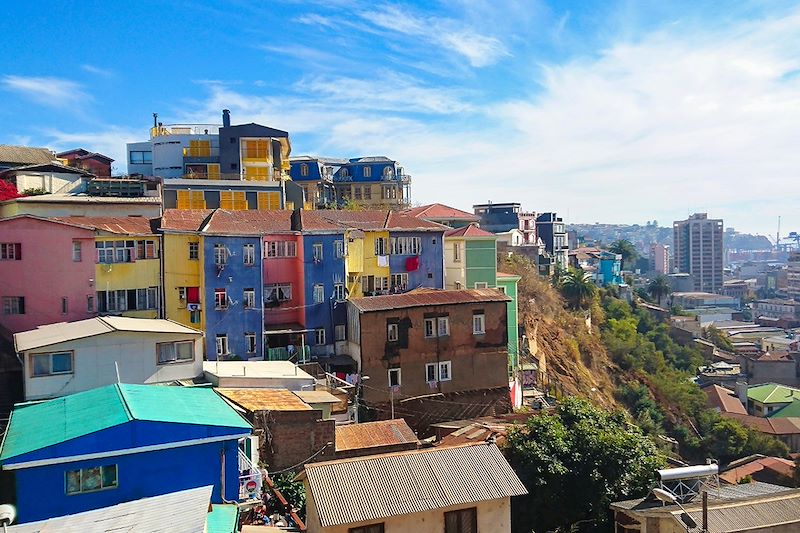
[659,258]
[697,243]
[793,276]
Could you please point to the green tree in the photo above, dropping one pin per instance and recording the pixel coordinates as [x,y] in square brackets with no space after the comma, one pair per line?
[718,339]
[626,249]
[574,463]
[659,287]
[577,288]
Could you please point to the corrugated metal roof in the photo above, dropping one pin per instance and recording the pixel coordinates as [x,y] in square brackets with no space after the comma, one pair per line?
[39,425]
[725,494]
[184,219]
[420,298]
[440,211]
[25,155]
[265,399]
[249,222]
[379,486]
[781,466]
[50,334]
[222,519]
[133,225]
[374,434]
[317,396]
[83,198]
[745,517]
[178,512]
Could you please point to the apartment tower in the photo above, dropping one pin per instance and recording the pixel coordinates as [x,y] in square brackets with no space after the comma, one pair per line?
[697,243]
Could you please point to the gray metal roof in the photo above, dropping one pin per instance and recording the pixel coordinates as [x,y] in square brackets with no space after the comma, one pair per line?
[379,486]
[781,510]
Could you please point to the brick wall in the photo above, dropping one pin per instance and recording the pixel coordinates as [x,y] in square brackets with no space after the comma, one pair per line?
[291,437]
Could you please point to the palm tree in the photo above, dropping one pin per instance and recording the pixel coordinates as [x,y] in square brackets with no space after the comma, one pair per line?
[626,249]
[659,287]
[578,288]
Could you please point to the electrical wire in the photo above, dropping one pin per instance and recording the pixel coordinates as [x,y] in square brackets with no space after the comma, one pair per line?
[301,463]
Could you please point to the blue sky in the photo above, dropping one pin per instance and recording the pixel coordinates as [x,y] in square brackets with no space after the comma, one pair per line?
[604,111]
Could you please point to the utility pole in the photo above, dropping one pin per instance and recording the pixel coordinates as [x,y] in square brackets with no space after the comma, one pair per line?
[391,398]
[705,512]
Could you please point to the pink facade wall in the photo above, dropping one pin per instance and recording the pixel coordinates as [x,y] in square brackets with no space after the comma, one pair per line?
[286,270]
[46,273]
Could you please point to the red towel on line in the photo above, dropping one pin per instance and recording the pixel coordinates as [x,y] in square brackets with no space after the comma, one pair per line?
[412,264]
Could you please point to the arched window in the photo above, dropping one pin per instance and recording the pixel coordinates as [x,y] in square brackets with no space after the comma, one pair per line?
[367,172]
[388,172]
[304,169]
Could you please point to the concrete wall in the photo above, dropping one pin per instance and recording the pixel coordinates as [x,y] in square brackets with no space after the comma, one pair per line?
[46,273]
[48,181]
[92,208]
[94,357]
[494,516]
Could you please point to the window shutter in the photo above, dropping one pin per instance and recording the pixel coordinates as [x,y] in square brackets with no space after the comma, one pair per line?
[18,251]
[22,305]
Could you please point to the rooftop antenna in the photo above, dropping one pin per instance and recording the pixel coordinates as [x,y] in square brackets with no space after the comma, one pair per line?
[778,235]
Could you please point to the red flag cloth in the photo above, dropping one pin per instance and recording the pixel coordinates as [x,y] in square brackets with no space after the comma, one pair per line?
[412,264]
[193,295]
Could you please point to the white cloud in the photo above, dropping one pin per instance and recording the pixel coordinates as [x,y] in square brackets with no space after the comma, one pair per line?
[110,141]
[54,92]
[97,71]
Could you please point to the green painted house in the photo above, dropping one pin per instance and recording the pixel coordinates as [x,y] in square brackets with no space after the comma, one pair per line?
[508,284]
[770,398]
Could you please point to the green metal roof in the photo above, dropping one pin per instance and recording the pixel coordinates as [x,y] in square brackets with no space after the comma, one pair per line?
[773,393]
[222,519]
[39,425]
[791,410]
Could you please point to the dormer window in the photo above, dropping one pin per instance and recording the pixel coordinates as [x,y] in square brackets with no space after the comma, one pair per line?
[367,172]
[388,172]
[304,170]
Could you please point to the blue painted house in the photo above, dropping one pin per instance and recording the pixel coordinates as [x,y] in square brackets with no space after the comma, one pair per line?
[416,259]
[117,444]
[234,287]
[609,268]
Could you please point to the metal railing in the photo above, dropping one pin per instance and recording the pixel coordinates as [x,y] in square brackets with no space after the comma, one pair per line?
[250,479]
[282,354]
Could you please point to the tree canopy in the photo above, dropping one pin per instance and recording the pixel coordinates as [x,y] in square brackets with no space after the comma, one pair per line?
[659,287]
[626,249]
[574,463]
[577,288]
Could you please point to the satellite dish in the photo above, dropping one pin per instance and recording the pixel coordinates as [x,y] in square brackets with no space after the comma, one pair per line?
[7,515]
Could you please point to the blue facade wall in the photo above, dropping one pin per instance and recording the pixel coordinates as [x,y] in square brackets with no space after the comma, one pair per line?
[41,491]
[355,172]
[313,171]
[235,320]
[431,264]
[328,272]
[610,271]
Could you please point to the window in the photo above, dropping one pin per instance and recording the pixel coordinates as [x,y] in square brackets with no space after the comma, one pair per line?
[481,285]
[381,247]
[90,303]
[278,292]
[269,200]
[281,249]
[394,377]
[478,324]
[249,298]
[64,305]
[340,332]
[304,169]
[357,192]
[13,305]
[249,254]
[430,372]
[145,249]
[441,371]
[319,294]
[437,327]
[115,251]
[141,157]
[406,245]
[338,292]
[114,301]
[250,342]
[220,299]
[49,364]
[456,252]
[430,327]
[146,299]
[319,337]
[444,371]
[220,254]
[317,252]
[392,332]
[175,352]
[338,249]
[399,281]
[194,251]
[233,200]
[76,251]
[502,289]
[373,528]
[194,317]
[222,344]
[256,149]
[444,326]
[461,521]
[388,172]
[367,172]
[368,192]
[90,479]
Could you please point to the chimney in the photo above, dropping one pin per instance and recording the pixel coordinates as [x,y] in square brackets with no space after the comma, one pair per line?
[155,120]
[741,391]
[226,118]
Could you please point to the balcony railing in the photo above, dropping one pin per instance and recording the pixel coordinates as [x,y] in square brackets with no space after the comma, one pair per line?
[250,479]
[201,151]
[282,354]
[184,129]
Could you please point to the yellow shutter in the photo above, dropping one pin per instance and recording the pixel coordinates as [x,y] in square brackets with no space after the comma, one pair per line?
[240,201]
[256,173]
[226,199]
[290,206]
[213,171]
[269,200]
[183,200]
[199,149]
[198,200]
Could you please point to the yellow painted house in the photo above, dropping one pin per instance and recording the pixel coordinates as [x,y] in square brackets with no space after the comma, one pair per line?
[183,265]
[128,265]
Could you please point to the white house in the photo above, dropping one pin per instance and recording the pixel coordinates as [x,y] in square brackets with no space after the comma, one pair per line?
[49,178]
[258,375]
[69,357]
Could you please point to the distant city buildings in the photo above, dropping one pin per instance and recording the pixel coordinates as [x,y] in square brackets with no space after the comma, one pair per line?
[793,276]
[698,251]
[659,258]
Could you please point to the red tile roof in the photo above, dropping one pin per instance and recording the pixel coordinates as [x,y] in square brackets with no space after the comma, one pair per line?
[507,275]
[724,399]
[119,225]
[782,467]
[775,356]
[425,297]
[374,434]
[370,219]
[441,212]
[249,222]
[398,220]
[184,219]
[770,426]
[468,231]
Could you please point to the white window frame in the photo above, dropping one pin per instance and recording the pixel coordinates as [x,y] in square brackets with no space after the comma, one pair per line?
[431,373]
[81,471]
[443,326]
[406,245]
[319,293]
[441,371]
[319,337]
[276,249]
[221,341]
[174,357]
[249,254]
[479,324]
[481,285]
[250,341]
[381,246]
[338,292]
[338,249]
[8,251]
[367,171]
[397,372]
[11,305]
[249,298]
[399,281]
[77,251]
[446,375]
[282,290]
[456,252]
[194,251]
[340,332]
[392,332]
[317,252]
[430,328]
[220,254]
[221,303]
[49,356]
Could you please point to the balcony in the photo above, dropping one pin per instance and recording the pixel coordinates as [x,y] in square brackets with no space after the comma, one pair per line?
[300,353]
[201,152]
[251,480]
[184,129]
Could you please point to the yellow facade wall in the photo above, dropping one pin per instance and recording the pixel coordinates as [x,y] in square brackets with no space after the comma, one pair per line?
[140,274]
[354,262]
[180,271]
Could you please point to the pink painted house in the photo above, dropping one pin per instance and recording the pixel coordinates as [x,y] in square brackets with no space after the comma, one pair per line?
[284,292]
[47,272]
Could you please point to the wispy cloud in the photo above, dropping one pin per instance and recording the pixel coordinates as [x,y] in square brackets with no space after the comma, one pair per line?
[97,71]
[110,140]
[54,92]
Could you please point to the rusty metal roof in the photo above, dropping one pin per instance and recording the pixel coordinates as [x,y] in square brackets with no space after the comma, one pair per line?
[317,396]
[782,509]
[249,222]
[184,219]
[368,488]
[440,211]
[133,225]
[426,297]
[374,434]
[265,399]
[25,155]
